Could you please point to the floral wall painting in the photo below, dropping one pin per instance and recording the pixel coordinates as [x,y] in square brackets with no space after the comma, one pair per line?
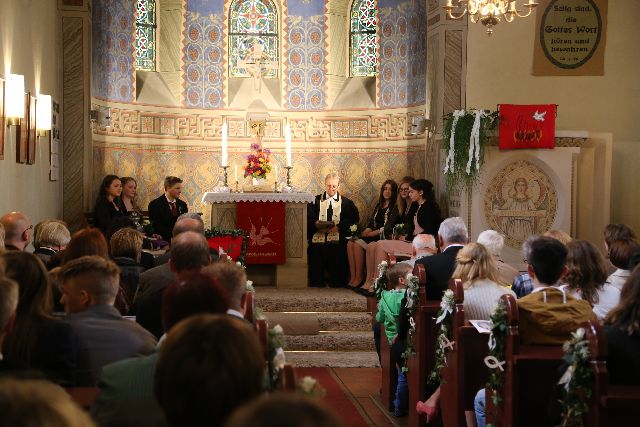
[22,133]
[32,137]
[2,125]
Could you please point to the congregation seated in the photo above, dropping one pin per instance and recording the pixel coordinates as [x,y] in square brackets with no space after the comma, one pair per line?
[108,204]
[88,241]
[328,221]
[233,279]
[494,242]
[586,271]
[35,402]
[384,218]
[17,231]
[423,245]
[132,379]
[452,236]
[189,252]
[49,238]
[165,210]
[284,410]
[37,340]
[620,254]
[126,251]
[208,366]
[89,288]
[423,217]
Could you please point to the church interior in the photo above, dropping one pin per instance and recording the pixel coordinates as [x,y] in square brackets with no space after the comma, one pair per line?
[317,145]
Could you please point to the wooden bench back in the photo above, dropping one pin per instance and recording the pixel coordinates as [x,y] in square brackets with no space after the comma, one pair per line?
[531,372]
[249,306]
[424,343]
[464,372]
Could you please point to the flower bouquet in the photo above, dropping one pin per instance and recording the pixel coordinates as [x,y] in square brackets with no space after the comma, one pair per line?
[354,231]
[257,162]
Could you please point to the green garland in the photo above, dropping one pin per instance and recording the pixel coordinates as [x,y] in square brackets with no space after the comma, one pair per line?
[577,380]
[221,232]
[463,129]
[496,351]
[447,305]
[380,284]
[276,358]
[411,304]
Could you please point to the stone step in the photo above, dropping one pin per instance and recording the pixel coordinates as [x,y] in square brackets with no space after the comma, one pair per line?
[270,299]
[331,340]
[295,323]
[334,359]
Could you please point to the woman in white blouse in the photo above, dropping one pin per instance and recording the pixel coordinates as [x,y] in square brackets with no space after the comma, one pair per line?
[620,252]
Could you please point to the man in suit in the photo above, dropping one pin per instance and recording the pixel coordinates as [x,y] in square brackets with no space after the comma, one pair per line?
[452,236]
[89,288]
[17,229]
[165,210]
[233,278]
[328,222]
[189,252]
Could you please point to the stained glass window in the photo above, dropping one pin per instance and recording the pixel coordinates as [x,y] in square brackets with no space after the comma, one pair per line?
[363,47]
[253,34]
[146,35]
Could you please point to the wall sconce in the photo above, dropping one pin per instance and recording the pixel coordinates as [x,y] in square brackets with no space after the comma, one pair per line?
[14,99]
[100,116]
[43,114]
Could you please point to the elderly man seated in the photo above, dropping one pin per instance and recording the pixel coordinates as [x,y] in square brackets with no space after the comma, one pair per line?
[423,245]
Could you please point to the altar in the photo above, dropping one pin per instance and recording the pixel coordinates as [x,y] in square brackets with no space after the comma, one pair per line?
[292,272]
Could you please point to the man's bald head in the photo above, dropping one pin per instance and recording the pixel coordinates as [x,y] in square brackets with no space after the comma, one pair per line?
[424,244]
[189,251]
[188,222]
[16,227]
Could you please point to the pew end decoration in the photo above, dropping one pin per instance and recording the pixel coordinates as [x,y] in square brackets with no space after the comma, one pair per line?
[310,387]
[577,380]
[275,356]
[380,284]
[233,243]
[464,139]
[495,356]
[412,302]
[443,341]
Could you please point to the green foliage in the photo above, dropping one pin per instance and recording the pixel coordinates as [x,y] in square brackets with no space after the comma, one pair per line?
[458,176]
[412,303]
[447,305]
[498,334]
[579,381]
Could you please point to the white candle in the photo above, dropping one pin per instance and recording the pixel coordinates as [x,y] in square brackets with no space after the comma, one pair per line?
[235,168]
[287,140]
[275,168]
[224,144]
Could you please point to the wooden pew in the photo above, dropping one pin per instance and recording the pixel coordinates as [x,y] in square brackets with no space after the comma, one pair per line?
[464,372]
[423,362]
[389,372]
[531,372]
[611,404]
[249,306]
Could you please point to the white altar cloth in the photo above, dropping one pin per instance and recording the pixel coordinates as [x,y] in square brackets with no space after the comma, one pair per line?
[293,197]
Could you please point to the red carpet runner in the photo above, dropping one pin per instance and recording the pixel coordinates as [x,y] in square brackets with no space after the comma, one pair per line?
[337,397]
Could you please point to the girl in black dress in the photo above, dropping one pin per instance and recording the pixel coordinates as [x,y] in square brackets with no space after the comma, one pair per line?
[384,216]
[108,204]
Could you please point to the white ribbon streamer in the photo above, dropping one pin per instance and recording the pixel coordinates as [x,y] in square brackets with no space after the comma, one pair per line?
[412,323]
[448,164]
[445,311]
[492,341]
[566,377]
[492,363]
[445,343]
[474,141]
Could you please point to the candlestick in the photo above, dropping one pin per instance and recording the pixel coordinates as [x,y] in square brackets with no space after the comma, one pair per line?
[225,131]
[225,176]
[237,188]
[288,168]
[287,143]
[235,169]
[275,178]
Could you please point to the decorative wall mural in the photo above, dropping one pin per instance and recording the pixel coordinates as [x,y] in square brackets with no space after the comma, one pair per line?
[520,200]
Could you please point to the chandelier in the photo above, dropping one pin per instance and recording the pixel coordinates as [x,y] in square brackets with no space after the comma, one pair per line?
[488,12]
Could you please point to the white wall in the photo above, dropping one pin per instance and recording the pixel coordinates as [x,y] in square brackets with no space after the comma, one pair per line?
[499,71]
[29,46]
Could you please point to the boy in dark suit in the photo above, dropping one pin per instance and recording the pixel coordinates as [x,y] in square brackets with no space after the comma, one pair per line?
[165,210]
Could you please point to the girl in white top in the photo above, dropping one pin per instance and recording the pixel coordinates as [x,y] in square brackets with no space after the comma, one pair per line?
[620,252]
[477,269]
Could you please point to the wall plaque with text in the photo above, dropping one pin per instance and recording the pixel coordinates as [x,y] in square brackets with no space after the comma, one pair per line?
[570,38]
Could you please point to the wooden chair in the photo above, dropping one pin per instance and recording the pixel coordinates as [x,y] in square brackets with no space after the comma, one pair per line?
[530,373]
[423,362]
[611,404]
[464,372]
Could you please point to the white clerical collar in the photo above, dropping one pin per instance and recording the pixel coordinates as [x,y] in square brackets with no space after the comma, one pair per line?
[334,197]
[236,313]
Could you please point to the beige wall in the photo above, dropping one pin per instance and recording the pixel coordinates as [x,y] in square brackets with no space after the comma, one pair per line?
[499,71]
[28,34]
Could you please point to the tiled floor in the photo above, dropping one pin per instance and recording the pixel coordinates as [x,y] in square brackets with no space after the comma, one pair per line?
[363,385]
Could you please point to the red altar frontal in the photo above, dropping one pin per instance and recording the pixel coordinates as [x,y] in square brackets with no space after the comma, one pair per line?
[276,225]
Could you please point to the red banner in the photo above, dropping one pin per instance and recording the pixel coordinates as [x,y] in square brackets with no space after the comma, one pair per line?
[230,245]
[264,223]
[527,126]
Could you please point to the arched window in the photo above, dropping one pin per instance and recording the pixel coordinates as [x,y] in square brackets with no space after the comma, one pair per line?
[253,35]
[146,35]
[363,48]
